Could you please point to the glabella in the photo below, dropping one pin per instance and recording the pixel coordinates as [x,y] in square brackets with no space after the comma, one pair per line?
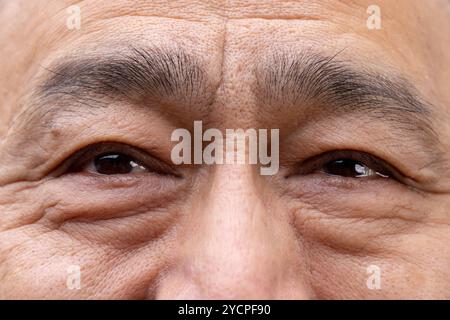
[230,148]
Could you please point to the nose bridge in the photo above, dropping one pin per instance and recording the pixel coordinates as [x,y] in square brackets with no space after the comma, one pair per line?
[234,246]
[231,247]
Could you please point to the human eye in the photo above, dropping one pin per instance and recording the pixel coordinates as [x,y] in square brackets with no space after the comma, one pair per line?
[348,164]
[111,158]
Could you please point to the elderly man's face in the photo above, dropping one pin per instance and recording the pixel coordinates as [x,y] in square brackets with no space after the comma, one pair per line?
[358,208]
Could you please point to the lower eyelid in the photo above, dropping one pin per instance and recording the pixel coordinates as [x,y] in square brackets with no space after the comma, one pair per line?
[323,182]
[101,182]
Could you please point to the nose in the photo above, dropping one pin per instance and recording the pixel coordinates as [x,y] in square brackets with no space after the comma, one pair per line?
[236,243]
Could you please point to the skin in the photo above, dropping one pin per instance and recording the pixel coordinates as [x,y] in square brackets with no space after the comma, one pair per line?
[222,231]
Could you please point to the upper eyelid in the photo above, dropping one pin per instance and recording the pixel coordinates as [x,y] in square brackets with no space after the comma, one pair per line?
[68,163]
[306,165]
[95,149]
[101,148]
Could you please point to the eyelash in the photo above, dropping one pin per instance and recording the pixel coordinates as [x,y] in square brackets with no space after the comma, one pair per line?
[313,164]
[81,158]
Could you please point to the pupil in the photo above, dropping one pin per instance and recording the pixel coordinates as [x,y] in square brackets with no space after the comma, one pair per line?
[345,168]
[113,164]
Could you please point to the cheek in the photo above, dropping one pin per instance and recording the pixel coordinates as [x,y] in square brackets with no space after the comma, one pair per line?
[413,270]
[115,239]
[115,212]
[55,265]
[120,244]
[351,239]
[358,217]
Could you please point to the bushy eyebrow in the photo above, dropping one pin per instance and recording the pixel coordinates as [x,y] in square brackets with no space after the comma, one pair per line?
[332,86]
[339,87]
[135,74]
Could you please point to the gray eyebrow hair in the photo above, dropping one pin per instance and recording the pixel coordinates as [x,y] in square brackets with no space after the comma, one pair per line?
[135,74]
[341,87]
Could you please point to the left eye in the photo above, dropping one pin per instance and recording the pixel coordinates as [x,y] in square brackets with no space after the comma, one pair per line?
[349,168]
[347,164]
[115,163]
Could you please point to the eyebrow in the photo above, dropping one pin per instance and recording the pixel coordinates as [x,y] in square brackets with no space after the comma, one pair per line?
[336,87]
[135,74]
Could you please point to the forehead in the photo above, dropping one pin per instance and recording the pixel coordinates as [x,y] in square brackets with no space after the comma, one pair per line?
[35,34]
[42,25]
[46,21]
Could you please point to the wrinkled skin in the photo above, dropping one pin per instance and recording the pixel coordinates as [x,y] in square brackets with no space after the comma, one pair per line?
[222,231]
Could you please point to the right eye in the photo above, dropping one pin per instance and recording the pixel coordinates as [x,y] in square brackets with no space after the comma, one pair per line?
[110,158]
